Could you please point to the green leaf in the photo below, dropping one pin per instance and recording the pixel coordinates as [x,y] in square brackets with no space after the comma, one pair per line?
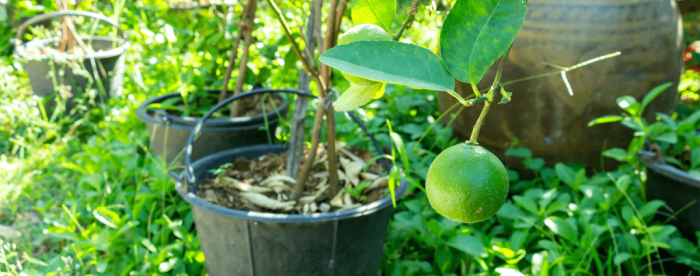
[649,209]
[670,138]
[377,12]
[506,96]
[391,61]
[566,174]
[629,104]
[653,94]
[263,75]
[561,228]
[605,120]
[695,158]
[616,153]
[106,216]
[519,152]
[468,244]
[621,258]
[534,164]
[476,33]
[692,119]
[443,258]
[358,95]
[670,122]
[527,203]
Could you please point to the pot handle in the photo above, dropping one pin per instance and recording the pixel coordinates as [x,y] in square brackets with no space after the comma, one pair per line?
[188,176]
[47,16]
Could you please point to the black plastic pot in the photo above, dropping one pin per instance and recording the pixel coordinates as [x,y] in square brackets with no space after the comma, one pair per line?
[235,242]
[215,136]
[675,187]
[105,64]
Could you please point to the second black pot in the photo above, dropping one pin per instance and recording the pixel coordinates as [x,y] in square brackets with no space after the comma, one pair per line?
[217,134]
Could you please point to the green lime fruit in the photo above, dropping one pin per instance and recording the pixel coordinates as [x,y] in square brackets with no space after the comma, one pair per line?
[362,32]
[467,183]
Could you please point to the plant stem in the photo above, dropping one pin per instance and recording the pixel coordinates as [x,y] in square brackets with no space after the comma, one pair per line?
[295,46]
[234,53]
[324,87]
[411,16]
[243,64]
[333,160]
[296,139]
[487,103]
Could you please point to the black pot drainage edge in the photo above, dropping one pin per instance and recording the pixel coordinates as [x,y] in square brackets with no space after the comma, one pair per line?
[217,134]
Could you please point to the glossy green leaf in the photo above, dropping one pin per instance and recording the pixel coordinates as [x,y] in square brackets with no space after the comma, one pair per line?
[506,96]
[616,153]
[106,216]
[629,104]
[391,61]
[476,33]
[605,120]
[468,244]
[621,258]
[650,208]
[561,228]
[670,122]
[692,119]
[358,95]
[670,138]
[377,12]
[653,94]
[695,158]
[519,152]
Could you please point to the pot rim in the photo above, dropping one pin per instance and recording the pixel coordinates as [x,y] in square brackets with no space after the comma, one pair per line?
[667,170]
[103,54]
[211,125]
[197,202]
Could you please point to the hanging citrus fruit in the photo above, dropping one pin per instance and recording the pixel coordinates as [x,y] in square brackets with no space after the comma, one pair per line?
[362,32]
[467,183]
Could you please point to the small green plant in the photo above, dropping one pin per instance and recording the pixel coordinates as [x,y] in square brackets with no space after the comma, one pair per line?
[677,139]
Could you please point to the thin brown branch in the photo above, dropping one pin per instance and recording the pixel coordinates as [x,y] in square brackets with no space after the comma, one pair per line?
[288,34]
[340,12]
[296,138]
[315,140]
[243,64]
[234,54]
[324,86]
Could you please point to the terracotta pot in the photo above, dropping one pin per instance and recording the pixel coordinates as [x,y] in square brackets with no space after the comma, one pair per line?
[542,114]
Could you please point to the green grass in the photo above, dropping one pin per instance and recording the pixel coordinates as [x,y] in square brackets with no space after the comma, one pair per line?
[88,197]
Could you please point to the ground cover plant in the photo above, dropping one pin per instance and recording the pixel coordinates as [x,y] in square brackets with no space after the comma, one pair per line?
[84,195]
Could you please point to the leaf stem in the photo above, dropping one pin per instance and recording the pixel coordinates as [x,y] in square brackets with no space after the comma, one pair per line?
[411,16]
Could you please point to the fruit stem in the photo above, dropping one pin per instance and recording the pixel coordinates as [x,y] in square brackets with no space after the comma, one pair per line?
[487,103]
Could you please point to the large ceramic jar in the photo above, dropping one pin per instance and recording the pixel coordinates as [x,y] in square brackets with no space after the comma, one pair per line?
[542,114]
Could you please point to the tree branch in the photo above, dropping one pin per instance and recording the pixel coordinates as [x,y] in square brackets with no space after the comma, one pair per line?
[248,26]
[288,34]
[234,53]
